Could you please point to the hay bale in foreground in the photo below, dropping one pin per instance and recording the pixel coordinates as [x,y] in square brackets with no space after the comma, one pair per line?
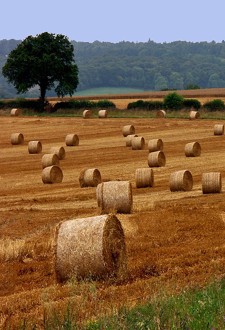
[144,177]
[155,145]
[90,177]
[137,143]
[161,114]
[90,248]
[102,114]
[72,140]
[218,129]
[17,138]
[52,174]
[87,114]
[129,138]
[194,114]
[156,159]
[115,197]
[128,130]
[181,181]
[59,151]
[211,183]
[49,160]
[15,112]
[34,147]
[192,149]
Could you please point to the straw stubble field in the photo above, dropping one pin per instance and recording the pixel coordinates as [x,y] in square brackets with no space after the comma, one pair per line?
[174,240]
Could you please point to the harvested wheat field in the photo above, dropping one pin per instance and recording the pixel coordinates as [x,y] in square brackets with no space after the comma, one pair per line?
[174,240]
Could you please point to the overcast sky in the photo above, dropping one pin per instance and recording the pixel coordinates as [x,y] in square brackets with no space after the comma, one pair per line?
[115,20]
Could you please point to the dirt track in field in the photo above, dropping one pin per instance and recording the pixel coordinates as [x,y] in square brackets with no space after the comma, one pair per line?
[174,240]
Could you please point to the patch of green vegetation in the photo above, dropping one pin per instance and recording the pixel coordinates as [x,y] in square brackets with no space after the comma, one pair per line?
[107,91]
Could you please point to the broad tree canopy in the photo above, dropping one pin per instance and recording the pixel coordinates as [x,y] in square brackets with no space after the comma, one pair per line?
[46,60]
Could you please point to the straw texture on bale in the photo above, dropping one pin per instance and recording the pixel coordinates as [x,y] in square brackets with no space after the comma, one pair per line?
[211,183]
[52,174]
[15,112]
[102,114]
[17,138]
[128,130]
[72,140]
[218,129]
[128,139]
[87,114]
[155,145]
[49,160]
[59,151]
[115,196]
[161,114]
[156,159]
[181,181]
[90,248]
[137,143]
[192,149]
[194,114]
[90,177]
[144,177]
[34,147]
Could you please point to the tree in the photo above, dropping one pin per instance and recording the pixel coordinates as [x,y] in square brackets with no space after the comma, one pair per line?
[173,101]
[46,60]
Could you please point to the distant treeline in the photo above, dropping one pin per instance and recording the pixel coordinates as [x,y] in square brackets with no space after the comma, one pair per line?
[144,65]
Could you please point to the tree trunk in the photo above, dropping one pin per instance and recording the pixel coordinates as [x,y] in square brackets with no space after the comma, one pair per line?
[42,96]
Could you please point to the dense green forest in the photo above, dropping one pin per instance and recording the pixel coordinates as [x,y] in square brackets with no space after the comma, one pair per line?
[143,65]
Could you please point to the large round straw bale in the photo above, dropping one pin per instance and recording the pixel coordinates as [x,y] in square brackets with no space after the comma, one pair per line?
[211,182]
[128,130]
[218,129]
[161,114]
[115,196]
[59,151]
[137,143]
[156,159]
[181,181]
[72,140]
[52,174]
[102,114]
[87,114]
[194,114]
[128,139]
[15,112]
[192,149]
[155,145]
[144,177]
[90,248]
[34,147]
[90,177]
[49,160]
[17,138]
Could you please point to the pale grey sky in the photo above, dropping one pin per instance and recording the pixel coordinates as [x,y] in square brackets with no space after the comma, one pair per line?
[115,20]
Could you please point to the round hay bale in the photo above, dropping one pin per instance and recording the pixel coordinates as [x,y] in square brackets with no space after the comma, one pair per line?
[194,114]
[59,151]
[15,112]
[49,160]
[72,140]
[128,130]
[34,147]
[90,248]
[128,139]
[102,114]
[192,149]
[137,143]
[52,174]
[87,114]
[211,183]
[115,196]
[90,177]
[218,129]
[181,181]
[17,138]
[161,114]
[155,145]
[156,159]
[144,177]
